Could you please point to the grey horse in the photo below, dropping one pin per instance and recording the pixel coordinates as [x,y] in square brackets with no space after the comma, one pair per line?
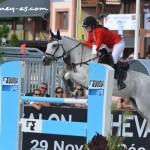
[78,56]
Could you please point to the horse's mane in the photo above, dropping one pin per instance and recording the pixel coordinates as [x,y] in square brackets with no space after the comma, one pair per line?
[73,39]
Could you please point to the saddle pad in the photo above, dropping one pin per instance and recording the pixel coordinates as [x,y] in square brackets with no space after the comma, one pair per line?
[140,65]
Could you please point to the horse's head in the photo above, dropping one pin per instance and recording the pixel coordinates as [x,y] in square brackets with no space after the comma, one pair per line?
[54,49]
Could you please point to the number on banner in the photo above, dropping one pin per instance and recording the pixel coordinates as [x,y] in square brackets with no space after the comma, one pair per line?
[43,145]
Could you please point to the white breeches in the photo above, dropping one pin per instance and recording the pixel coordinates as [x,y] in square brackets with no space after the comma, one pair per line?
[118,50]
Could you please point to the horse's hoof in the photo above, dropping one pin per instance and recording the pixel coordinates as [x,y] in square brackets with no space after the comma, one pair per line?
[67,76]
[62,72]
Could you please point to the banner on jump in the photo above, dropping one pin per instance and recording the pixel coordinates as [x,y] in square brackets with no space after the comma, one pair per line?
[10,84]
[134,129]
[96,87]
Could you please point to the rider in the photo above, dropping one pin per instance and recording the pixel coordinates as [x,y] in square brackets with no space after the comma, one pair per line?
[100,35]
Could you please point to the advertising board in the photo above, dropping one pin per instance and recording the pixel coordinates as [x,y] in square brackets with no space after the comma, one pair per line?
[128,21]
[134,130]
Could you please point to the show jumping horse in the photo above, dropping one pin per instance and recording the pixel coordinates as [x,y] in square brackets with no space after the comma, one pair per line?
[78,56]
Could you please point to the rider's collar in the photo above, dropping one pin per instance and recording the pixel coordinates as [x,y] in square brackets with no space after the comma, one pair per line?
[92,30]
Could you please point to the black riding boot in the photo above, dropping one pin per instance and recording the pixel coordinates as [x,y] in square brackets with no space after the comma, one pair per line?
[121,85]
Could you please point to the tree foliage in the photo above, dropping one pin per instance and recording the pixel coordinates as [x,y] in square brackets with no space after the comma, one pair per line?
[4,30]
[2,1]
[14,41]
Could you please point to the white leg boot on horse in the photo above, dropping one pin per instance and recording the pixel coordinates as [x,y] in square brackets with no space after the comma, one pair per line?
[68,83]
[121,85]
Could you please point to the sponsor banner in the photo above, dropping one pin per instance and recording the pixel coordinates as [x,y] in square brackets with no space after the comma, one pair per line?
[10,81]
[12,88]
[96,84]
[38,141]
[96,87]
[58,114]
[132,127]
[10,84]
[31,125]
[128,21]
[134,130]
[99,92]
[147,21]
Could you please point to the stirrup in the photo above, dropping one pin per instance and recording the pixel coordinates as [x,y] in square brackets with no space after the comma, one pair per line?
[121,85]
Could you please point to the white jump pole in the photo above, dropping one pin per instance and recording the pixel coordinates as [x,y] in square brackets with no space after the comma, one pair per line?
[136,43]
[54,100]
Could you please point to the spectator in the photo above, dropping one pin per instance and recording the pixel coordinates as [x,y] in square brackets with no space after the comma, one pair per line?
[79,93]
[59,93]
[148,54]
[115,100]
[38,105]
[124,103]
[44,87]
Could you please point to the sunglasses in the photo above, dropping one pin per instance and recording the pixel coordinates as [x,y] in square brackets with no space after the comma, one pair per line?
[80,89]
[44,88]
[37,94]
[58,92]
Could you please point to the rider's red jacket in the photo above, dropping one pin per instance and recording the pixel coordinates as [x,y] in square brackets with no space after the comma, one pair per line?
[102,36]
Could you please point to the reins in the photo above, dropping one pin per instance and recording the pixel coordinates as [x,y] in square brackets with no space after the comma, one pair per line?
[72,48]
[65,59]
[81,56]
[80,63]
[85,62]
[72,65]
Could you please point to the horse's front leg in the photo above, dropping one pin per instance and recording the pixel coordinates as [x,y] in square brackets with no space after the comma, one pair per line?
[62,72]
[69,85]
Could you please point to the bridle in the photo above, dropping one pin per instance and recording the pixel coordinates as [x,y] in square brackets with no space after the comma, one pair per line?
[54,58]
[66,55]
[60,43]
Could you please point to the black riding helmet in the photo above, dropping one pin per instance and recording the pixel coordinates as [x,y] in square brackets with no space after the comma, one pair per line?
[89,21]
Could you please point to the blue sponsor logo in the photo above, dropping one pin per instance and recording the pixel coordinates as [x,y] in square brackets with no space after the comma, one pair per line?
[99,92]
[12,88]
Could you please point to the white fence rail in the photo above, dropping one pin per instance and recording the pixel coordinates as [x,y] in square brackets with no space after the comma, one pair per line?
[35,73]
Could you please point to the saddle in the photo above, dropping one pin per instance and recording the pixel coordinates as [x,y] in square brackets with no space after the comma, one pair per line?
[108,59]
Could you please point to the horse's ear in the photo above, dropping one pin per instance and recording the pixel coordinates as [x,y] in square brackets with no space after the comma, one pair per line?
[58,34]
[52,34]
